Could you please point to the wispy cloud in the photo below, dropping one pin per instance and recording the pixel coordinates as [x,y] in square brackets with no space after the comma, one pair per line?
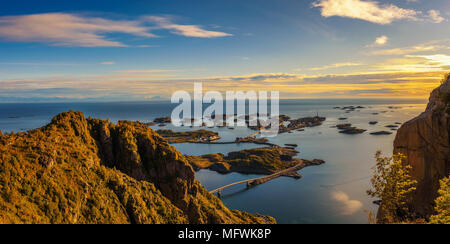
[41,64]
[435,16]
[436,61]
[139,86]
[424,47]
[108,63]
[337,65]
[184,30]
[371,11]
[63,29]
[348,205]
[147,71]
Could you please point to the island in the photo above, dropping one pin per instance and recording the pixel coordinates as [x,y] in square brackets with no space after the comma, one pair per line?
[378,133]
[189,136]
[264,161]
[392,126]
[349,129]
[163,120]
[288,125]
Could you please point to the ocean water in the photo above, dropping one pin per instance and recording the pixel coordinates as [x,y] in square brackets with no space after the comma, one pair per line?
[331,193]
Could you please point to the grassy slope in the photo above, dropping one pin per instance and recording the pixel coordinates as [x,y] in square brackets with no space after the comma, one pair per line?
[57,174]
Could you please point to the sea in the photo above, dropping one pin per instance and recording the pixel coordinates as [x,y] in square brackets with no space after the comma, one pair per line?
[334,192]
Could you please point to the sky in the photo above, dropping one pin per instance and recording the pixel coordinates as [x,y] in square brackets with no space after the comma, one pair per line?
[139,50]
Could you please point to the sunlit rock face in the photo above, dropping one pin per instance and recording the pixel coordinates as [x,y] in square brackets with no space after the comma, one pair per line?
[79,170]
[426,144]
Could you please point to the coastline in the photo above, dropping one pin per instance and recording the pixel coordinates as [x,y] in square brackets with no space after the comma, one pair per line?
[312,141]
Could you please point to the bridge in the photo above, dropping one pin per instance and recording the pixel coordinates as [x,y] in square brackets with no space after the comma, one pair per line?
[261,180]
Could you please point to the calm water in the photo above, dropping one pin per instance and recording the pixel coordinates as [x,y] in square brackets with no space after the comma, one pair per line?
[330,193]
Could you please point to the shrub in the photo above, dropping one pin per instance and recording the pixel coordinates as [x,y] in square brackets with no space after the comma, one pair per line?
[393,184]
[442,204]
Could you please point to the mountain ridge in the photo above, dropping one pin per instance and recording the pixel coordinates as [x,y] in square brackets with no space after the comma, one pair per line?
[84,170]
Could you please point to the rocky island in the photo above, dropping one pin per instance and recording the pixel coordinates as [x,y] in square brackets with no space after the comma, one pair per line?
[189,136]
[349,129]
[265,161]
[379,133]
[288,125]
[163,120]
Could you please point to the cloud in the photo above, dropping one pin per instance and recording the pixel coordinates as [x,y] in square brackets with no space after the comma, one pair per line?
[424,47]
[139,86]
[439,60]
[108,63]
[435,16]
[381,41]
[147,71]
[184,30]
[267,77]
[337,65]
[63,29]
[370,11]
[41,64]
[416,63]
[349,206]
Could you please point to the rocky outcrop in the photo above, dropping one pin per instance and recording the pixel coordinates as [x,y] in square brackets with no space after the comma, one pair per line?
[348,129]
[78,170]
[425,141]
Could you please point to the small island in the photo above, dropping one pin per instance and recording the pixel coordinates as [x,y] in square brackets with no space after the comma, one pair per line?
[392,126]
[288,125]
[189,136]
[265,161]
[349,109]
[163,120]
[349,129]
[379,133]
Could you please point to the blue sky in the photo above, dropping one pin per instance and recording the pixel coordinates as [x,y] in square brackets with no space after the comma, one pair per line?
[135,50]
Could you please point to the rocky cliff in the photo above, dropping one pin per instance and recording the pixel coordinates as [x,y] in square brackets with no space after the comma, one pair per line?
[78,170]
[425,141]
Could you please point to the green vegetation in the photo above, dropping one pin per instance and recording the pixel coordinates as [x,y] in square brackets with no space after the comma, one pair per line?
[53,175]
[189,136]
[272,159]
[78,170]
[267,160]
[442,204]
[393,184]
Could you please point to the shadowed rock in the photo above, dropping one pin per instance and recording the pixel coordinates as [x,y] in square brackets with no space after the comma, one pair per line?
[425,141]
